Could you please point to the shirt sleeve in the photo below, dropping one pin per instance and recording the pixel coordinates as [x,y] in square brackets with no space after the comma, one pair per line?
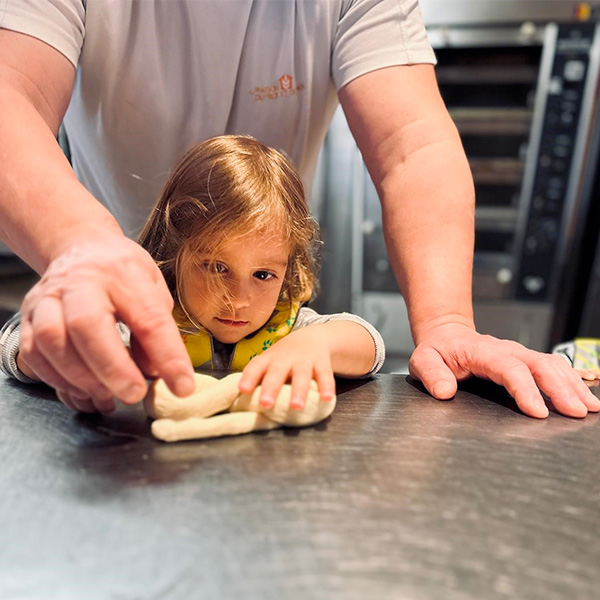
[307,316]
[58,23]
[9,348]
[373,34]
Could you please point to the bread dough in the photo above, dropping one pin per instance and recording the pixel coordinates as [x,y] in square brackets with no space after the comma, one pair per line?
[197,416]
[211,396]
[170,430]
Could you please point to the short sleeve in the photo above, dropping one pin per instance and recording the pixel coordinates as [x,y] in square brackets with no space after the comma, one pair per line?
[58,23]
[373,34]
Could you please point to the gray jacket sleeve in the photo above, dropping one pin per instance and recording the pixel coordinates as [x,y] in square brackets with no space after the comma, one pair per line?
[307,316]
[9,348]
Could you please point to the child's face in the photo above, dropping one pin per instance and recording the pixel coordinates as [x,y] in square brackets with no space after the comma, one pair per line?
[252,268]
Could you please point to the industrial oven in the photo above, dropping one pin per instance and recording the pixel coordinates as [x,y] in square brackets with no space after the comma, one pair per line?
[520,80]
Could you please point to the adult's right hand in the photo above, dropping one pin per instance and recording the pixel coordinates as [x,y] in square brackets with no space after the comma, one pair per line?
[68,334]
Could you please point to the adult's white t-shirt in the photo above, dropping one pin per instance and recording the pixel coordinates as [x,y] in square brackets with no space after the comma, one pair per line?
[155,77]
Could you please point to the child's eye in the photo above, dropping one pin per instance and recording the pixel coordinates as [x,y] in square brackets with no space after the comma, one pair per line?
[214,267]
[264,275]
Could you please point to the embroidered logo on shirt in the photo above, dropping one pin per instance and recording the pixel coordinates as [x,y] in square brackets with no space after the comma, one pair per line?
[273,92]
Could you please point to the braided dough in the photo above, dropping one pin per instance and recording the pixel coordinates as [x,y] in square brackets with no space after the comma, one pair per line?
[197,416]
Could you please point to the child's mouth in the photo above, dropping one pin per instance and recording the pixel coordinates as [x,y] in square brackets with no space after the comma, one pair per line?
[231,323]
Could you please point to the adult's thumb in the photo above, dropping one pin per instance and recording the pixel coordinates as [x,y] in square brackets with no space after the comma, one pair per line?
[429,368]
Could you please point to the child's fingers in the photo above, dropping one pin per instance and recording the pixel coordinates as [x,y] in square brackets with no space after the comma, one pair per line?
[588,374]
[325,380]
[252,374]
[273,380]
[301,379]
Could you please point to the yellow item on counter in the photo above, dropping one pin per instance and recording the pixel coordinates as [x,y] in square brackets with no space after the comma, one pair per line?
[586,353]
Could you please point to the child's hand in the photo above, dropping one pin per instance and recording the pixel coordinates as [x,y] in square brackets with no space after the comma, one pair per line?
[588,374]
[297,358]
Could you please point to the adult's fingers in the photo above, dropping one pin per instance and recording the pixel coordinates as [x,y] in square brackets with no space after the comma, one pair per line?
[58,314]
[91,327]
[52,341]
[591,402]
[155,332]
[488,361]
[142,360]
[429,368]
[567,392]
[65,399]
[500,362]
[71,397]
[78,404]
[36,360]
[95,282]
[75,401]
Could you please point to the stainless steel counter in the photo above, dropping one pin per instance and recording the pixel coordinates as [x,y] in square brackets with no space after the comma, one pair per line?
[396,496]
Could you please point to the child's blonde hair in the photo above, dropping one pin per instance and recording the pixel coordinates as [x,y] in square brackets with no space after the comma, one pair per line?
[223,188]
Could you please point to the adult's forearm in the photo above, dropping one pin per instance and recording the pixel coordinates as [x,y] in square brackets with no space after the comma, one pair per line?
[416,160]
[43,208]
[428,203]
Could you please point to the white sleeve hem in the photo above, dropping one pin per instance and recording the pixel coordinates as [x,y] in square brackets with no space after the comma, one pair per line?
[58,23]
[397,59]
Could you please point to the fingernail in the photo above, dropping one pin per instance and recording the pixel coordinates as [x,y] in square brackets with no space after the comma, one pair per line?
[295,405]
[441,389]
[266,402]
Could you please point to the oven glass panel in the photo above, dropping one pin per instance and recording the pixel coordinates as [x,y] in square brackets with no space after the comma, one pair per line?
[490,93]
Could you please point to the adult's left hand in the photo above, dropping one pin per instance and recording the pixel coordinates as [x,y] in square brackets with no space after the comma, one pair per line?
[453,352]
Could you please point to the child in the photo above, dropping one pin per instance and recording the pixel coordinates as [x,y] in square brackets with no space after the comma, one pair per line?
[235,241]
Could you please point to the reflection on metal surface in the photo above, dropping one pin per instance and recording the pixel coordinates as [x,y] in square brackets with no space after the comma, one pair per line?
[508,171]
[492,121]
[486,74]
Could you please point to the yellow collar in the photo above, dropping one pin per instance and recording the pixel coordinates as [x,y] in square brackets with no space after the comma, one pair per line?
[200,345]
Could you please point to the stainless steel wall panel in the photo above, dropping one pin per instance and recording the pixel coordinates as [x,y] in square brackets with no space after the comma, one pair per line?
[488,12]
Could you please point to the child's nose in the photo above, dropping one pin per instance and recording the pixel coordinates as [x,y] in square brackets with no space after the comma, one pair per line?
[241,296]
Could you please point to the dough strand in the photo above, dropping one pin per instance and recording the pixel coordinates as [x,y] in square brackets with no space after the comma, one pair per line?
[217,408]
